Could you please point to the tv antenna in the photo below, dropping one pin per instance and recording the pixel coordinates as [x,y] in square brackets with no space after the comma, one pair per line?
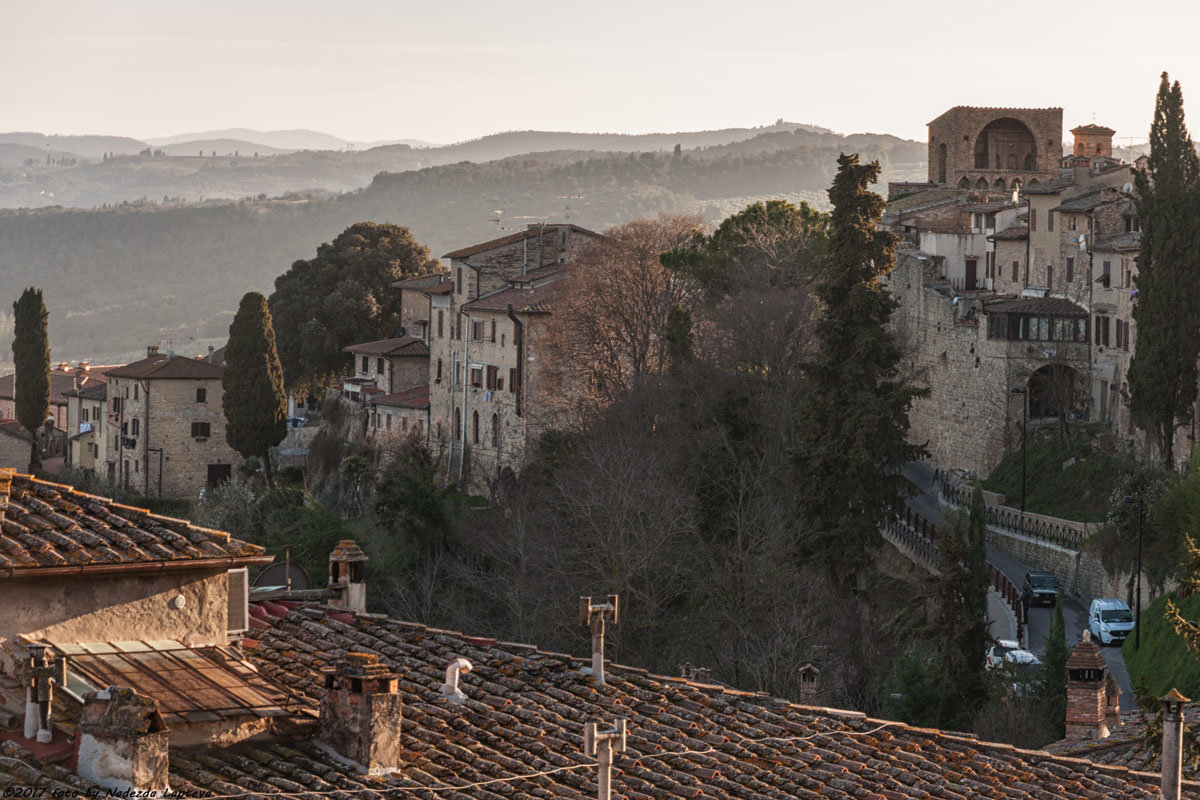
[567,205]
[499,212]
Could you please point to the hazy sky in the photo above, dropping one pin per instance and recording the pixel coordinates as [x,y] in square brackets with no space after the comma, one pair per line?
[454,69]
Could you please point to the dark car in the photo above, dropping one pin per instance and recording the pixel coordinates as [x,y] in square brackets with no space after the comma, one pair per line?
[1042,587]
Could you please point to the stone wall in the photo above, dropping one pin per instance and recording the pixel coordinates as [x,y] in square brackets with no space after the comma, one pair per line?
[14,450]
[953,135]
[186,459]
[119,607]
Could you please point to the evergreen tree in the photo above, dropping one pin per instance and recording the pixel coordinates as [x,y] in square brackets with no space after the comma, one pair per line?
[31,354]
[253,399]
[975,636]
[1162,373]
[851,442]
[1054,691]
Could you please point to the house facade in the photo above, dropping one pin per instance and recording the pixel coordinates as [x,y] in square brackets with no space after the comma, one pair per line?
[165,426]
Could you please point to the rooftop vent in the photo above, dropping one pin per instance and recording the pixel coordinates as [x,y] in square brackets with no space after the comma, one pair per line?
[595,613]
[42,673]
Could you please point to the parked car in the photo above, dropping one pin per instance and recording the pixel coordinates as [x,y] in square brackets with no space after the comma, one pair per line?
[996,653]
[1109,620]
[1022,671]
[297,422]
[1042,587]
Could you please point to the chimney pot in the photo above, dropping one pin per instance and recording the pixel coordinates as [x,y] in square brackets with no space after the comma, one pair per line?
[123,742]
[347,576]
[1172,744]
[450,690]
[361,713]
[1087,702]
[151,350]
[594,613]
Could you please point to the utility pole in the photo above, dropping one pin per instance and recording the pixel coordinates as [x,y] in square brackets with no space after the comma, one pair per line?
[602,745]
[595,614]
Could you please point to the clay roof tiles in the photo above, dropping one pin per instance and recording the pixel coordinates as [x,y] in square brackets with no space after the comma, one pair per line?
[1014,232]
[398,346]
[524,715]
[416,397]
[1122,241]
[1050,306]
[524,301]
[422,281]
[164,366]
[14,428]
[531,232]
[48,529]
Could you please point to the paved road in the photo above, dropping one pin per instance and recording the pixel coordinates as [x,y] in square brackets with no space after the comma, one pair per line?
[1038,624]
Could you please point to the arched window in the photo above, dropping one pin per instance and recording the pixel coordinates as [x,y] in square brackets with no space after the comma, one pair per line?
[964,183]
[999,184]
[981,183]
[496,431]
[474,427]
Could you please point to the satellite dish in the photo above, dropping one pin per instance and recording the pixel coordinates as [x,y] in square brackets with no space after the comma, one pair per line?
[401,332]
[277,575]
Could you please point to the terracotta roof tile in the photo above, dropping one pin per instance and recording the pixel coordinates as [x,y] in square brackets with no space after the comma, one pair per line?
[531,232]
[1014,232]
[536,300]
[400,346]
[416,397]
[47,525]
[1056,306]
[162,366]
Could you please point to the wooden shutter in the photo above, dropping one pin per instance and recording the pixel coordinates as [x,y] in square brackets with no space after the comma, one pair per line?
[239,600]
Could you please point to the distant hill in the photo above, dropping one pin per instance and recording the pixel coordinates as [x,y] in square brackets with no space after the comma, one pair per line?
[121,278]
[298,139]
[13,154]
[87,146]
[224,147]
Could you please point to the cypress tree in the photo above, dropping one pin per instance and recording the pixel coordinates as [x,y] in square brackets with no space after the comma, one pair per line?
[1055,689]
[31,354]
[851,440]
[253,399]
[1162,373]
[975,636]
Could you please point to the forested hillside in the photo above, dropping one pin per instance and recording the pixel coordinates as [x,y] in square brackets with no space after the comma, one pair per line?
[120,278]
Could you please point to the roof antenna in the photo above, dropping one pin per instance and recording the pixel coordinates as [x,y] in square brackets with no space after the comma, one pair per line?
[594,614]
[602,745]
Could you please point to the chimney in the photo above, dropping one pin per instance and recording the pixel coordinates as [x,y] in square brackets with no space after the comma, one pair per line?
[6,476]
[810,680]
[85,365]
[151,350]
[595,614]
[361,713]
[1172,744]
[1086,704]
[42,673]
[450,689]
[122,741]
[347,568]
[1112,703]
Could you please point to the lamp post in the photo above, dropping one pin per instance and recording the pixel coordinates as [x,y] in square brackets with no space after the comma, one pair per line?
[1137,614]
[1024,435]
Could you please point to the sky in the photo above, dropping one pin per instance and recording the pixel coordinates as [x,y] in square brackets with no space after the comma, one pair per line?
[369,70]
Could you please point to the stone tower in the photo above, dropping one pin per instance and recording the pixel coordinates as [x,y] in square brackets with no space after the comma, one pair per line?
[1093,140]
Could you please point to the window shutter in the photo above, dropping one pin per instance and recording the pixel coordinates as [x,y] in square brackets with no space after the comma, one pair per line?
[239,600]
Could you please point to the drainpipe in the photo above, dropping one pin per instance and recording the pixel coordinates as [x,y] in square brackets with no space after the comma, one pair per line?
[1028,236]
[519,343]
[146,447]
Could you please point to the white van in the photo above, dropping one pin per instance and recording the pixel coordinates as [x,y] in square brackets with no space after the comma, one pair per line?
[1110,621]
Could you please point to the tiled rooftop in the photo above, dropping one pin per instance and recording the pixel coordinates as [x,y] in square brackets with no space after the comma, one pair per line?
[399,346]
[422,281]
[519,733]
[1122,241]
[528,301]
[1050,306]
[531,232]
[416,397]
[1126,746]
[164,366]
[1015,232]
[48,528]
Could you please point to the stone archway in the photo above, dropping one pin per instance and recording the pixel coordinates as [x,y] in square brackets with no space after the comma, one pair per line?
[1005,140]
[1054,391]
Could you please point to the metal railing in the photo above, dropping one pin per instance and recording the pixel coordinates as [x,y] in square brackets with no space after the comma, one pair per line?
[1062,533]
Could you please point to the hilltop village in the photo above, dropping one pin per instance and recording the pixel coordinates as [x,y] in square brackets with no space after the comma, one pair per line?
[142,652]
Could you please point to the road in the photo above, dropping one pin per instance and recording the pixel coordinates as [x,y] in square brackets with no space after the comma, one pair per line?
[1038,624]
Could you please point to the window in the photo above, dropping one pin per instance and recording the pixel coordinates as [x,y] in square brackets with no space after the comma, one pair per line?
[1106,273]
[379,368]
[439,371]
[126,392]
[200,429]
[1033,219]
[366,364]
[134,426]
[1122,334]
[477,331]
[496,431]
[1070,269]
[440,318]
[458,326]
[490,383]
[458,282]
[83,415]
[136,463]
[476,376]
[502,340]
[512,380]
[1071,222]
[1050,221]
[1049,277]
[474,427]
[493,330]
[1132,224]
[201,395]
[1102,330]
[388,423]
[124,428]
[1016,271]
[404,423]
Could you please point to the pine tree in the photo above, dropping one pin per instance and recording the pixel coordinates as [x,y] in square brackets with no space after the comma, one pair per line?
[1054,690]
[253,399]
[1162,373]
[31,354]
[853,422]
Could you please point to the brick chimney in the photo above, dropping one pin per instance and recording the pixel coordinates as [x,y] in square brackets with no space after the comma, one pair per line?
[1172,744]
[1086,702]
[361,713]
[347,568]
[122,741]
[151,350]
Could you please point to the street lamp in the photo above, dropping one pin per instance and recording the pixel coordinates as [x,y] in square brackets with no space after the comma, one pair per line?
[1024,435]
[1137,618]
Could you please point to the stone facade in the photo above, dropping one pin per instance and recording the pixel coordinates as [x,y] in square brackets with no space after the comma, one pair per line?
[15,445]
[168,407]
[86,439]
[990,148]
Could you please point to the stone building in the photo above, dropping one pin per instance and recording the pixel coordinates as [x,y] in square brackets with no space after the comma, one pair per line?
[995,148]
[385,367]
[15,445]
[165,427]
[1008,299]
[485,337]
[401,415]
[64,379]
[86,442]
